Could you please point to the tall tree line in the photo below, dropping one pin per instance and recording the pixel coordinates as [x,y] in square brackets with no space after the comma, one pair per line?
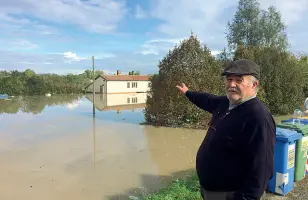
[29,83]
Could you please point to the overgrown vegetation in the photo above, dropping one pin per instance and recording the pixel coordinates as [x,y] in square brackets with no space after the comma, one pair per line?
[189,63]
[254,34]
[283,78]
[29,83]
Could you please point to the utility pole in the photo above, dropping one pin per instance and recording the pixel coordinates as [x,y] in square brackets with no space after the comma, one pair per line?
[93,86]
[94,142]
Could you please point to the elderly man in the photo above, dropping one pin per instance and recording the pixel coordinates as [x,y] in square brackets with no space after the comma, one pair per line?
[236,158]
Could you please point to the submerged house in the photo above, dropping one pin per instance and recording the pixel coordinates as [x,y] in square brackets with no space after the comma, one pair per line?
[120,84]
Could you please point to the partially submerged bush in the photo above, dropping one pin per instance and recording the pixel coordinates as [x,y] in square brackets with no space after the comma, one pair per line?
[188,63]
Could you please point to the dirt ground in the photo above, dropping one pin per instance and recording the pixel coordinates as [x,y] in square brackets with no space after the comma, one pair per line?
[300,192]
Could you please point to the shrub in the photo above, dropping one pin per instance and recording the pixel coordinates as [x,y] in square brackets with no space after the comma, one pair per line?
[188,63]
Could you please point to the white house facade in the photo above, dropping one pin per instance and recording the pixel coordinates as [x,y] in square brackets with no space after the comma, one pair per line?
[120,84]
[115,100]
[125,99]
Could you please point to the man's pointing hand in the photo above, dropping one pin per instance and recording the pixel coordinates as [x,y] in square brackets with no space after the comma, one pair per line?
[182,88]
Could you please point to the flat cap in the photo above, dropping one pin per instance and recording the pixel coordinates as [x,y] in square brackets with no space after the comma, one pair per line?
[242,67]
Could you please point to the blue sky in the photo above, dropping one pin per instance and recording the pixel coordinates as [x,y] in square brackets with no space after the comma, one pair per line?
[60,36]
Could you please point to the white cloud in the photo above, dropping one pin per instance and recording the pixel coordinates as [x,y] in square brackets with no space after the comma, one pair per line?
[73,63]
[159,46]
[208,19]
[214,53]
[104,55]
[140,13]
[182,16]
[73,57]
[291,11]
[23,27]
[20,44]
[92,15]
[73,105]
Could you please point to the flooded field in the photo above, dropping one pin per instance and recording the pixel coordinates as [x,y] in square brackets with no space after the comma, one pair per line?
[53,148]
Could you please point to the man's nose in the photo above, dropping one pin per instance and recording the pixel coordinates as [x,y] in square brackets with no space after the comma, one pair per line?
[232,84]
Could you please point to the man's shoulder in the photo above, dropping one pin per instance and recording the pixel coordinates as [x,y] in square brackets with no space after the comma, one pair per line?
[258,107]
[258,113]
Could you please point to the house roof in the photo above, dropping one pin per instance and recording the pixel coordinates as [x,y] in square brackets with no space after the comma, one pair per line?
[122,78]
[126,77]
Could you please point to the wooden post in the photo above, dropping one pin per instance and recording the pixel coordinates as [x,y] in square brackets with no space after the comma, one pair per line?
[94,142]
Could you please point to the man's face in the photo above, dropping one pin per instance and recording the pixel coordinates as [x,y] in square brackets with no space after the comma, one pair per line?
[239,88]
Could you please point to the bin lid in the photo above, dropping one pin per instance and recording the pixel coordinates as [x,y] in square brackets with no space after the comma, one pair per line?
[287,135]
[296,120]
[298,127]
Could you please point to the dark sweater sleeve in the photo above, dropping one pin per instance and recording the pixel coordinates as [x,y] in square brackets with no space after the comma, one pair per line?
[205,101]
[259,156]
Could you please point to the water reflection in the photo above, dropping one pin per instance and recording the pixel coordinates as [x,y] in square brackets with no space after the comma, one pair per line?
[36,104]
[109,102]
[124,108]
[118,102]
[65,153]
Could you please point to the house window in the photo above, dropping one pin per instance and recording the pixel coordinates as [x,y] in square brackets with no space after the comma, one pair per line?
[134,85]
[134,100]
[128,100]
[149,84]
[128,84]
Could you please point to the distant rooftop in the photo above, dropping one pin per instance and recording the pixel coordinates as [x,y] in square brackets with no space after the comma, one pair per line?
[119,77]
[126,77]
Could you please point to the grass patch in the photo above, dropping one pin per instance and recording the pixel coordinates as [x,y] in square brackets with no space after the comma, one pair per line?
[187,188]
[278,118]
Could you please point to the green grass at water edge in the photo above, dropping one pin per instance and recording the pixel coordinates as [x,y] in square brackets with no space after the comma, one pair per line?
[179,189]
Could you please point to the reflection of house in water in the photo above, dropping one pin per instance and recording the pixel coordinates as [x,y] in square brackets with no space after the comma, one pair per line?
[119,102]
[120,84]
[119,92]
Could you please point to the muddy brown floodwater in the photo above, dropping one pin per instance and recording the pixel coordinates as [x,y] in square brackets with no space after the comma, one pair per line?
[52,148]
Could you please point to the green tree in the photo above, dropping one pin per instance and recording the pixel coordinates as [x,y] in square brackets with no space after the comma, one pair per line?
[134,73]
[252,26]
[88,73]
[30,83]
[193,65]
[29,73]
[303,62]
[99,72]
[273,29]
[11,85]
[275,65]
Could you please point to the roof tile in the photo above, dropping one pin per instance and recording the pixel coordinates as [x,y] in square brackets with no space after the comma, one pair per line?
[126,77]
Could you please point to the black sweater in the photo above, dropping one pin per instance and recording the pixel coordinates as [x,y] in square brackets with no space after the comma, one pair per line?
[237,153]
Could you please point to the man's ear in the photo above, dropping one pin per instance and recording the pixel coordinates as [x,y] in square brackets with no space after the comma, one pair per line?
[255,84]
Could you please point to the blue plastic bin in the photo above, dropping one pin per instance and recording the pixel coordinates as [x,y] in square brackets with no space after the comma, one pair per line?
[3,96]
[282,181]
[296,120]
